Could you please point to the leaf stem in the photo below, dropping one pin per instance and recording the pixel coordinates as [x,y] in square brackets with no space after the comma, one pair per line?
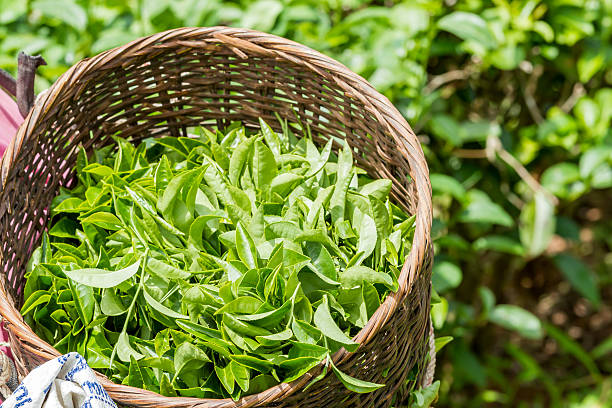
[131,308]
[511,161]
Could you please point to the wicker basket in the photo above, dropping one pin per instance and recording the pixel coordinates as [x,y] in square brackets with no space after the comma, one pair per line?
[165,83]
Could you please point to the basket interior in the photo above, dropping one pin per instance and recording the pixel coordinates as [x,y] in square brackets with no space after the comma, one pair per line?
[164,92]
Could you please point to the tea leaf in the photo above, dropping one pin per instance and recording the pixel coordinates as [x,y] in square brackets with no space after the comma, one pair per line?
[355,384]
[100,278]
[325,322]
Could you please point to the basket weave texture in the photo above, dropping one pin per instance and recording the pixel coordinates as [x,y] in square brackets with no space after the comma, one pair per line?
[165,83]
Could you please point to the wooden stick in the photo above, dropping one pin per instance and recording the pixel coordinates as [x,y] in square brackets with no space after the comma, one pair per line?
[26,72]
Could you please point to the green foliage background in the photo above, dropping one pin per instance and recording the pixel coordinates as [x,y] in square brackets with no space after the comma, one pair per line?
[512,101]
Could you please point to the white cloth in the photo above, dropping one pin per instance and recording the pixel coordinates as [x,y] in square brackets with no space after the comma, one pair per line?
[64,382]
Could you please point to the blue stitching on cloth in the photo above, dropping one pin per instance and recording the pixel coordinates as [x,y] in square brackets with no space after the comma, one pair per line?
[22,398]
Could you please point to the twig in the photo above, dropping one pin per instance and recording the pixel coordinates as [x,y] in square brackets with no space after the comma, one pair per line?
[511,197]
[525,175]
[436,82]
[577,91]
[495,147]
[529,91]
[26,72]
[445,78]
[8,82]
[471,153]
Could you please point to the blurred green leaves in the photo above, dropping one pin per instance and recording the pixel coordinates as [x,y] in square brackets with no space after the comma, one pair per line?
[261,15]
[499,243]
[469,27]
[443,184]
[481,209]
[579,276]
[446,275]
[537,224]
[64,11]
[516,318]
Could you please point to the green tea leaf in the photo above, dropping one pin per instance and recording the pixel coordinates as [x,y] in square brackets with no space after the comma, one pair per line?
[261,383]
[343,178]
[325,322]
[283,183]
[355,384]
[354,275]
[264,166]
[317,165]
[263,366]
[240,374]
[268,319]
[40,297]
[105,220]
[271,138]
[274,339]
[125,352]
[167,199]
[245,246]
[111,305]
[367,237]
[243,304]
[155,305]
[378,189]
[164,270]
[100,278]
[188,356]
[321,260]
[239,160]
[299,366]
[243,327]
[305,333]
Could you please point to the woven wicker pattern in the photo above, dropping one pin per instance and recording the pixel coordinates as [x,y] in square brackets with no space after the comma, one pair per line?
[165,83]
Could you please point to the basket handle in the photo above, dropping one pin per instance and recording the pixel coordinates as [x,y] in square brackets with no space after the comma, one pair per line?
[23,87]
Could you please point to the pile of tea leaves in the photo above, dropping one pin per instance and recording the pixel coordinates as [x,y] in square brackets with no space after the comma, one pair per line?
[215,266]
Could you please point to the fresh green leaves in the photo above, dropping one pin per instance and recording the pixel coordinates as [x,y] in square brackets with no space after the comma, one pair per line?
[219,265]
[264,166]
[245,247]
[354,275]
[343,179]
[325,322]
[101,278]
[354,384]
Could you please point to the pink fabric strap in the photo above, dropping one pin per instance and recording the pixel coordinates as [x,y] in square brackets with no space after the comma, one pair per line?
[10,119]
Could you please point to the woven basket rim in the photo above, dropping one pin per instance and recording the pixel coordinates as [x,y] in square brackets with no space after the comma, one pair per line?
[245,42]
